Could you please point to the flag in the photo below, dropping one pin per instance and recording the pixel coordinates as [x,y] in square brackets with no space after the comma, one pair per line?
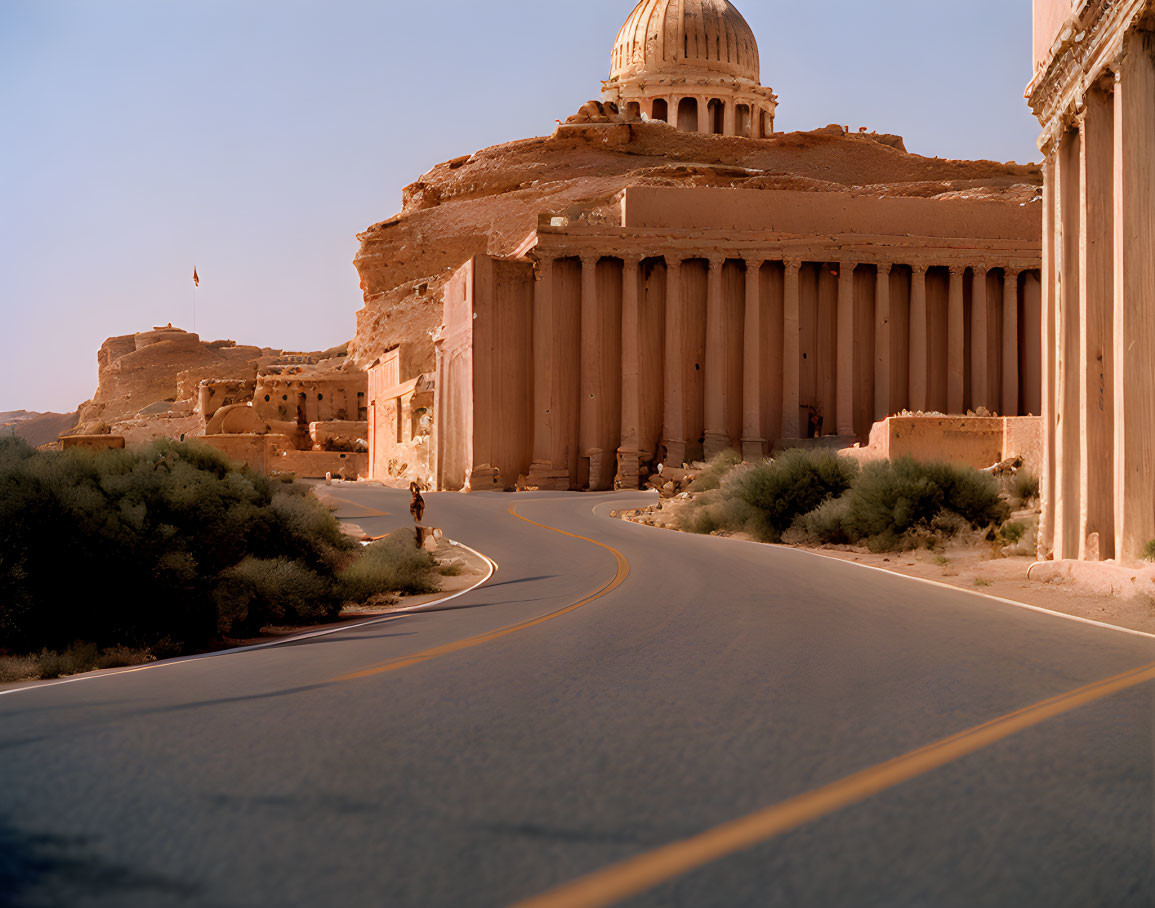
[196,278]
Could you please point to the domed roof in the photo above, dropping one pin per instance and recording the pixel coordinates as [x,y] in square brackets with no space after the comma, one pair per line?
[664,37]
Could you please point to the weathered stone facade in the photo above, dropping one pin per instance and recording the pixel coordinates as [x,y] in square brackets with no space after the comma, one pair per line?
[1094,93]
[712,319]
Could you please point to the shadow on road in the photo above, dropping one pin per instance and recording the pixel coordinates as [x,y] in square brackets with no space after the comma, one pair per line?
[38,870]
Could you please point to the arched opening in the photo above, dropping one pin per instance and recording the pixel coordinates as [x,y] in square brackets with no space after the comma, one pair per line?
[634,110]
[661,110]
[611,108]
[688,115]
[743,124]
[717,117]
[767,126]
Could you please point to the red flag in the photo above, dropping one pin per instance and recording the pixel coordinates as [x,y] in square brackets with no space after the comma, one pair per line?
[196,278]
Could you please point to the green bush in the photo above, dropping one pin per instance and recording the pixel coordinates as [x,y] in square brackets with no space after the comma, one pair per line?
[259,591]
[1026,486]
[780,491]
[825,525]
[1149,550]
[716,470]
[130,547]
[892,499]
[390,565]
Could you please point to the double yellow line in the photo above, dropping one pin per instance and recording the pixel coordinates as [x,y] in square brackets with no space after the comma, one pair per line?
[623,572]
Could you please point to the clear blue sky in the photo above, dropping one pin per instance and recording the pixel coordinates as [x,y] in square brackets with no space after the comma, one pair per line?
[255,138]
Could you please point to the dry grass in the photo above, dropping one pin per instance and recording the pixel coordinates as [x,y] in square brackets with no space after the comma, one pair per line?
[77,659]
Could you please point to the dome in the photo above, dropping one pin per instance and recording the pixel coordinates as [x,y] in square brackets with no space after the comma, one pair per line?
[664,37]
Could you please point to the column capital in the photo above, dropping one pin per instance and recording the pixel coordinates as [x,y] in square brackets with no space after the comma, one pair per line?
[980,269]
[957,270]
[589,258]
[884,267]
[1011,271]
[631,259]
[543,256]
[754,263]
[919,268]
[673,264]
[716,260]
[792,264]
[846,265]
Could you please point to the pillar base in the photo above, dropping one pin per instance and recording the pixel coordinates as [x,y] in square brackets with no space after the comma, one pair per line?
[547,478]
[629,470]
[600,478]
[753,449]
[714,444]
[675,453]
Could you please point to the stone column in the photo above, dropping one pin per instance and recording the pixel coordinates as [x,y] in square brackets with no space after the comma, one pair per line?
[1046,542]
[1065,366]
[1134,281]
[716,440]
[705,126]
[753,442]
[1096,291]
[674,405]
[628,451]
[980,340]
[592,392]
[882,343]
[845,367]
[548,459]
[956,341]
[918,339]
[730,117]
[1010,390]
[791,352]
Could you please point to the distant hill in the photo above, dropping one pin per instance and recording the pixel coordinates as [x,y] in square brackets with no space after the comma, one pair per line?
[36,428]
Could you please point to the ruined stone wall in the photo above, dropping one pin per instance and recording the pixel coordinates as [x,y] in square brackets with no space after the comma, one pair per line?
[156,371]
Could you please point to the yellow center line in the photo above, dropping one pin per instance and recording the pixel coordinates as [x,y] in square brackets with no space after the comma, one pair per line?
[623,571]
[372,512]
[639,874]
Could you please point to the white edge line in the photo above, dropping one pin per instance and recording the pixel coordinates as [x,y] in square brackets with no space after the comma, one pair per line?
[309,635]
[937,583]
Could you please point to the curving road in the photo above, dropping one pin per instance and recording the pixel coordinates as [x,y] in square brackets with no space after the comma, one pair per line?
[694,721]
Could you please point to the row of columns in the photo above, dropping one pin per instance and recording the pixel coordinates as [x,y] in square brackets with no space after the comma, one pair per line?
[549,433]
[1098,319]
[752,128]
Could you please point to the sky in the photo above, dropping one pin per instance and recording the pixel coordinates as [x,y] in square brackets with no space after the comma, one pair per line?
[255,138]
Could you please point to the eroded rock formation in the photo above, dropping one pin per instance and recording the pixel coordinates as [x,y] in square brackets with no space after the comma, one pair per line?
[491,201]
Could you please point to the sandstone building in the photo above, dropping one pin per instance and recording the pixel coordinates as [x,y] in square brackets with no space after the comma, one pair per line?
[711,286]
[1094,92]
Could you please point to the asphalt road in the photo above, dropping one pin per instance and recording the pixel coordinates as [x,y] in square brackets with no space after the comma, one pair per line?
[482,757]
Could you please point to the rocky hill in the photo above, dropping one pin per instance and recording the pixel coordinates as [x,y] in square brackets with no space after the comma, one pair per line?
[490,201]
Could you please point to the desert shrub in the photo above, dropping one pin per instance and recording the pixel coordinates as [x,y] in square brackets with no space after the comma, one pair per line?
[716,470]
[390,565]
[715,511]
[1149,550]
[780,491]
[825,525]
[892,503]
[129,547]
[1026,486]
[259,591]
[1012,532]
